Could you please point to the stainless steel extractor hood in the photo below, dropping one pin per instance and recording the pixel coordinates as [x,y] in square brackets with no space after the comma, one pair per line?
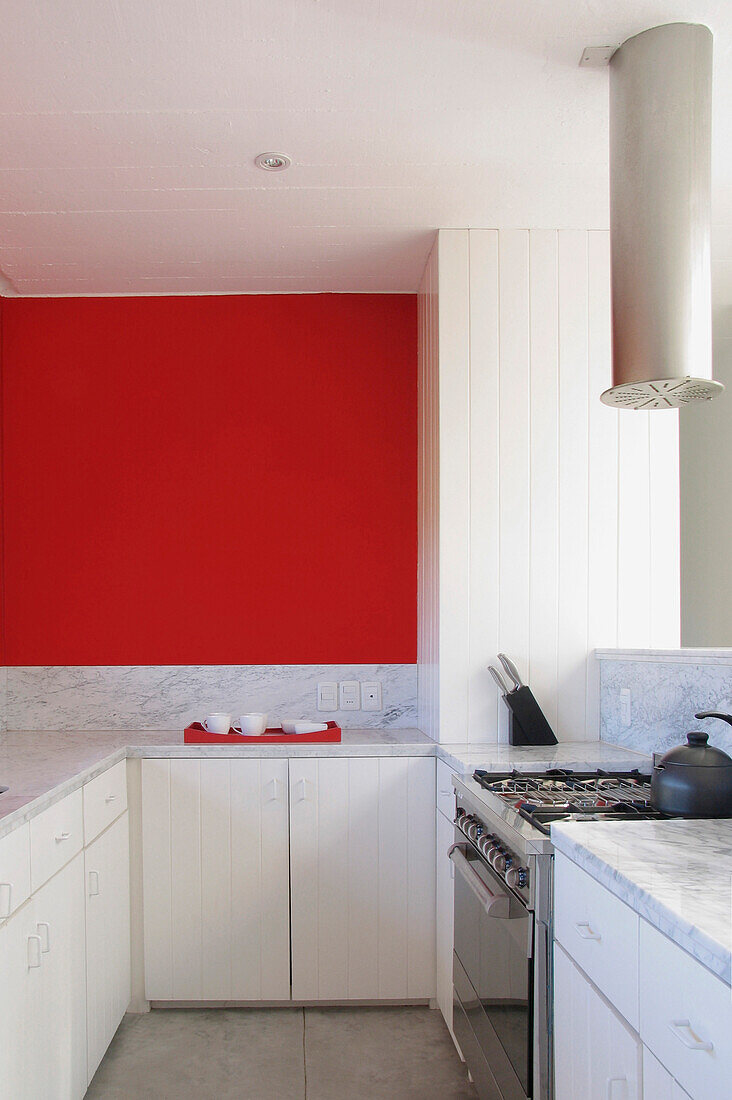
[660,214]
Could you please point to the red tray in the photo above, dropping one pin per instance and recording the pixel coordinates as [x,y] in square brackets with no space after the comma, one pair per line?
[195,734]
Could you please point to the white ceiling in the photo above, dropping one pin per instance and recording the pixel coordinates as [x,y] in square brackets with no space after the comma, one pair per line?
[128,130]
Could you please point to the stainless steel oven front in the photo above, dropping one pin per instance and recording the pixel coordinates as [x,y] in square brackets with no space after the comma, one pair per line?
[500,982]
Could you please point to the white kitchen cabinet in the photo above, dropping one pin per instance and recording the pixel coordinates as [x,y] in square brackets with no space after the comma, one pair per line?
[216,879]
[15,883]
[20,945]
[658,1084]
[596,1055]
[445,870]
[55,1026]
[107,871]
[362,867]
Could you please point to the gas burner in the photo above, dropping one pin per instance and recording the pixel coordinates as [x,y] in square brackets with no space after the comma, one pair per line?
[559,795]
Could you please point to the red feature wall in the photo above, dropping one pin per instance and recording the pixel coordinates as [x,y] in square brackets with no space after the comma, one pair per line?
[210,480]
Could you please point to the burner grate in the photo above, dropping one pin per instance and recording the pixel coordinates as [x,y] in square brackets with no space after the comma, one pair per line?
[556,794]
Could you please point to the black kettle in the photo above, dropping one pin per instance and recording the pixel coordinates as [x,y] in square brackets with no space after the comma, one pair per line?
[695,779]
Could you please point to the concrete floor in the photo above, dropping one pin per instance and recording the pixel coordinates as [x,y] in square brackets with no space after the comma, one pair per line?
[282,1053]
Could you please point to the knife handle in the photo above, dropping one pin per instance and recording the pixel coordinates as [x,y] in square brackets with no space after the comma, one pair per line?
[511,670]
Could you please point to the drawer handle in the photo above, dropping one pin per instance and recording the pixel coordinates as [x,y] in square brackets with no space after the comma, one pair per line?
[585,931]
[46,938]
[612,1082]
[34,952]
[93,883]
[111,798]
[6,889]
[684,1032]
[62,836]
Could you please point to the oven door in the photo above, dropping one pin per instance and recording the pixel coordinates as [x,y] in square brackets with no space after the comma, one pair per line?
[492,979]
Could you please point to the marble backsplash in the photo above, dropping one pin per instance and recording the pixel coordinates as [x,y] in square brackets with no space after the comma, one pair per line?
[666,690]
[164,697]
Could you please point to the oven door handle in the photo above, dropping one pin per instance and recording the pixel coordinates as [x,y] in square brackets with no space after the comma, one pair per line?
[495,905]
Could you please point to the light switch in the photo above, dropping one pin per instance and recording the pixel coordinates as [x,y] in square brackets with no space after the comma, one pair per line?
[328,695]
[350,695]
[371,695]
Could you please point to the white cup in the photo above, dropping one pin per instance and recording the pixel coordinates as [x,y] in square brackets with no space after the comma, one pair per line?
[252,725]
[217,723]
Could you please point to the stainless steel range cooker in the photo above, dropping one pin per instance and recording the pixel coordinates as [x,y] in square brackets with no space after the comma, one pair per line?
[502,974]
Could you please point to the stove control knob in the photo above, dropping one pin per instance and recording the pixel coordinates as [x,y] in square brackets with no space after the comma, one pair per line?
[495,853]
[518,877]
[485,842]
[500,862]
[472,828]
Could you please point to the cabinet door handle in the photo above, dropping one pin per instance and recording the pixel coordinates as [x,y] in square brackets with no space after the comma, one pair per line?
[684,1032]
[302,786]
[6,892]
[34,952]
[93,883]
[46,938]
[274,786]
[111,798]
[611,1083]
[585,931]
[62,836]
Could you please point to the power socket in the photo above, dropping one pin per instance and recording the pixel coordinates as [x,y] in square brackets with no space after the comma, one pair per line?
[371,695]
[350,695]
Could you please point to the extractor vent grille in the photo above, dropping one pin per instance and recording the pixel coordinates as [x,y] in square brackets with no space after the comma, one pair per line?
[661,393]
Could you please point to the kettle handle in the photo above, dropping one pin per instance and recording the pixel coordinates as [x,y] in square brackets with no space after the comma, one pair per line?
[714,714]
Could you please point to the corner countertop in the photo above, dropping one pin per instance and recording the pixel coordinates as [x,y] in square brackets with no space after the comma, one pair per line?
[676,874]
[39,768]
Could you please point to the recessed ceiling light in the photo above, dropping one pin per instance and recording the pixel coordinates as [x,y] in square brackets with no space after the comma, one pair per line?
[272,162]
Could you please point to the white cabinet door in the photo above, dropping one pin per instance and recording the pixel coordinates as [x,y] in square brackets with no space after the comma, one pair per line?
[20,968]
[658,1084]
[444,931]
[362,869]
[216,880]
[56,1068]
[596,1055]
[107,867]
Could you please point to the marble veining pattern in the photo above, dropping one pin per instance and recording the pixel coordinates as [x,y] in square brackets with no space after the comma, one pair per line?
[664,696]
[576,755]
[676,874]
[164,697]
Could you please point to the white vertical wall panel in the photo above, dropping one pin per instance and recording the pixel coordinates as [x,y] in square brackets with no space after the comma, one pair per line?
[514,483]
[602,589]
[428,501]
[454,479]
[544,496]
[665,514]
[634,530]
[573,486]
[362,856]
[571,516]
[484,467]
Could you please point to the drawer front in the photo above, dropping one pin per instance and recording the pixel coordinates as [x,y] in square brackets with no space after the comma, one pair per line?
[56,836]
[14,870]
[105,798]
[685,1016]
[600,933]
[445,790]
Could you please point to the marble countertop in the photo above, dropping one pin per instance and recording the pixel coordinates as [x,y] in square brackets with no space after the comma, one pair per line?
[676,874]
[575,755]
[39,768]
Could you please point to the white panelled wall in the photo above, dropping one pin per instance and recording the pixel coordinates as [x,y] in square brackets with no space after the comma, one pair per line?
[549,524]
